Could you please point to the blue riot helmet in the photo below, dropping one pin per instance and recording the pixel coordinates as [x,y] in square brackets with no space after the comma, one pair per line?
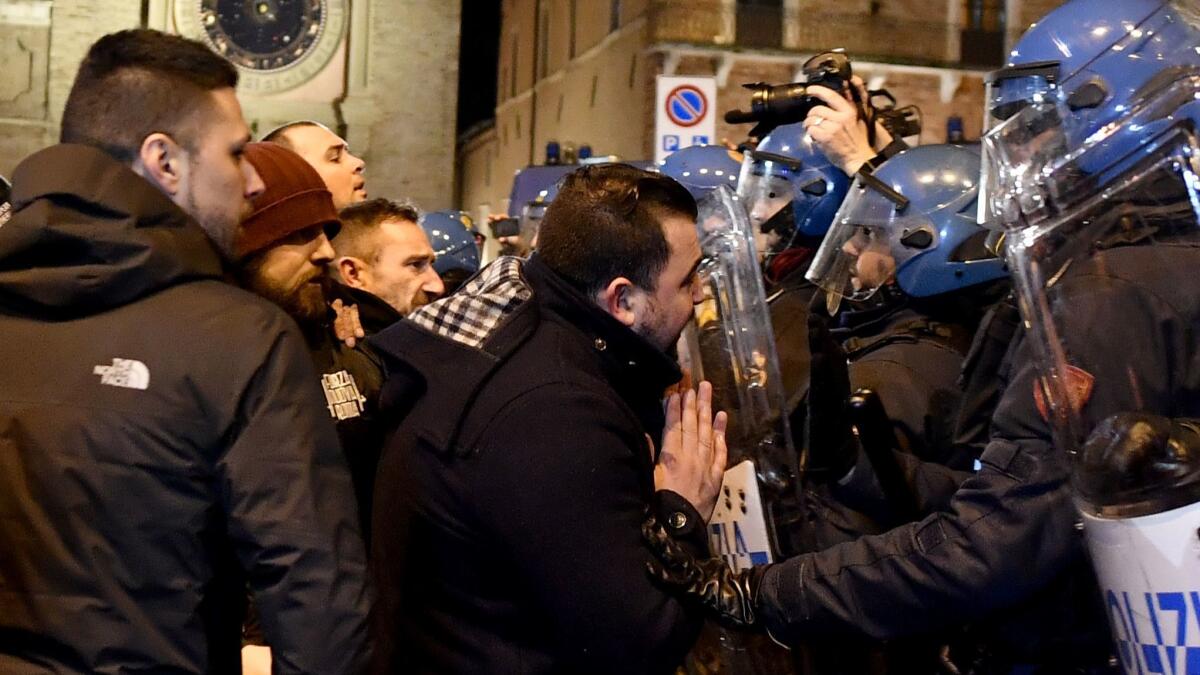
[923,235]
[452,236]
[1107,76]
[790,190]
[701,168]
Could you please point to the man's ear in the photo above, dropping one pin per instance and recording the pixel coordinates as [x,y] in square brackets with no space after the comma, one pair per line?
[622,299]
[351,271]
[161,161]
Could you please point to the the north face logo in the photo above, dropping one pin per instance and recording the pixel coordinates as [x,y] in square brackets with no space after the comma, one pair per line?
[125,373]
[341,393]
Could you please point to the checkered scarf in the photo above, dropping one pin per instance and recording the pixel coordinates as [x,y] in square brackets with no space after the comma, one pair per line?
[473,313]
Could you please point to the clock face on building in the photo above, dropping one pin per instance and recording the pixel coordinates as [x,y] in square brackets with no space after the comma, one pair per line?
[263,35]
[277,44]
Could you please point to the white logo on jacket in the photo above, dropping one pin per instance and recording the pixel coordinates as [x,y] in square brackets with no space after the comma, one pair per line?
[341,393]
[125,373]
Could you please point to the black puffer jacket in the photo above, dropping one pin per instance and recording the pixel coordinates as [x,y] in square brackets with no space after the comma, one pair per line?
[161,446]
[509,501]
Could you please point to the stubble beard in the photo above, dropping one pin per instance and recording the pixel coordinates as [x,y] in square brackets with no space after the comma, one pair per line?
[217,227]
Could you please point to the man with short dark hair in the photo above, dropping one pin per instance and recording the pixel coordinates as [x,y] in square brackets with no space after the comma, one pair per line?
[508,504]
[329,154]
[384,262]
[161,445]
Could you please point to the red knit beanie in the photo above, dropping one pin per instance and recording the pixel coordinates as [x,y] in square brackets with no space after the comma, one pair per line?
[295,199]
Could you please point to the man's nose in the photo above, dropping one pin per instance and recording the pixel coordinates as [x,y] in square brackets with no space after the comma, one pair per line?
[433,283]
[323,254]
[254,182]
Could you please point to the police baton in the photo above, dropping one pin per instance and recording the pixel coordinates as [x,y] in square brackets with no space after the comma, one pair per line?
[879,443]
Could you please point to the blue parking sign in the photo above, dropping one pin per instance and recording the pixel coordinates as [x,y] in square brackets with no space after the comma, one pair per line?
[670,142]
[699,140]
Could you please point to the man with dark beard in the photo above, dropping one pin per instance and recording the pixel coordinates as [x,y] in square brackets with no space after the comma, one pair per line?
[283,248]
[532,437]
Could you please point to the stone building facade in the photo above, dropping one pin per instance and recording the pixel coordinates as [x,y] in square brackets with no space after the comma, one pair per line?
[584,71]
[388,81]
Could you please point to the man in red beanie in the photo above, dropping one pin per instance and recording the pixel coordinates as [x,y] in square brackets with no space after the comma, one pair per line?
[283,248]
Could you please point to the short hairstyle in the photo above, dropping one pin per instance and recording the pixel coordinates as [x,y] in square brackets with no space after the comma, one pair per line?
[606,222]
[360,223]
[278,135]
[137,82]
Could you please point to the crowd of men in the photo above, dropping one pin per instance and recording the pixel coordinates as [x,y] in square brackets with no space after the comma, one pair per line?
[246,426]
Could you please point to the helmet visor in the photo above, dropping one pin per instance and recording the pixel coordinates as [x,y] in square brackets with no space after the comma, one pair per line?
[1008,93]
[1009,90]
[871,237]
[1018,157]
[765,185]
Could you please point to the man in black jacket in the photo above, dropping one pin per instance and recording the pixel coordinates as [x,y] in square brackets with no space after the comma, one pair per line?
[508,503]
[161,445]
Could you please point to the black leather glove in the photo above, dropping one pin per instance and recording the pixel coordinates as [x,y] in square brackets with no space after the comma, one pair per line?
[1133,458]
[830,442]
[730,595]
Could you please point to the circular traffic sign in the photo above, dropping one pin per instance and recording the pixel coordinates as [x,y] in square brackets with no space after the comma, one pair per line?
[686,105]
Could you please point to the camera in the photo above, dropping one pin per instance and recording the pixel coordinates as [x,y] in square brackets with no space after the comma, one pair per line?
[775,105]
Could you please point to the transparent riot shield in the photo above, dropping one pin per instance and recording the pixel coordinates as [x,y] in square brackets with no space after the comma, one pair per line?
[732,346]
[1106,263]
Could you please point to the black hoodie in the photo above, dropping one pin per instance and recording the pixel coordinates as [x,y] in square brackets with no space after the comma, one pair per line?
[161,445]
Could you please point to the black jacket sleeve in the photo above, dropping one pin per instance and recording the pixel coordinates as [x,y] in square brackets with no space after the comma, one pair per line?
[1010,528]
[932,484]
[568,475]
[290,508]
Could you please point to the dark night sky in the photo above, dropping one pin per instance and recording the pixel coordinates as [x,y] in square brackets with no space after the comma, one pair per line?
[477,62]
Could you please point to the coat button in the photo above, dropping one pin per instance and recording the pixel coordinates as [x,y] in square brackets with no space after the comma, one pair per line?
[678,520]
[601,345]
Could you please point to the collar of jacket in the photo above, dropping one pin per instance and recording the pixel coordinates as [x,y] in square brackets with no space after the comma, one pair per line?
[373,312]
[463,338]
[88,234]
[629,360]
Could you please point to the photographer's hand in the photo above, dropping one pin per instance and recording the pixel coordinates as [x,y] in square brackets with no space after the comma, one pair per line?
[837,131]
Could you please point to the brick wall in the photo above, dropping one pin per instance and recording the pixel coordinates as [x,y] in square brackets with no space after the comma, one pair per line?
[413,84]
[51,55]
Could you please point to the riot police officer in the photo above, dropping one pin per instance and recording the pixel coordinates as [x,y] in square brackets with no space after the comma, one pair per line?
[917,267]
[1091,165]
[791,192]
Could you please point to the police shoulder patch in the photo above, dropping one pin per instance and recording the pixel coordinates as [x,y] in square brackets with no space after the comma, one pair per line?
[1079,384]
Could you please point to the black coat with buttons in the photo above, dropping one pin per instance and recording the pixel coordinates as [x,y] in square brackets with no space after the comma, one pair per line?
[508,504]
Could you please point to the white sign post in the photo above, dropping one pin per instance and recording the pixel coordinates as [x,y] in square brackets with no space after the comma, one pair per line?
[684,114]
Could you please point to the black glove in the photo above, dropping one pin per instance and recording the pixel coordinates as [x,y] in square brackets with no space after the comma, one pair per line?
[1133,457]
[731,595]
[830,441]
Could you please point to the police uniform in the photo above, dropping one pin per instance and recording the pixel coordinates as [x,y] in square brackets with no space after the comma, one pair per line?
[1008,535]
[913,362]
